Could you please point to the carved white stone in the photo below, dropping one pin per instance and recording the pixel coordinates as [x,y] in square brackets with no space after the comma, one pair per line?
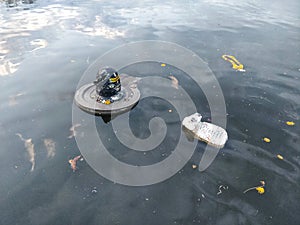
[203,131]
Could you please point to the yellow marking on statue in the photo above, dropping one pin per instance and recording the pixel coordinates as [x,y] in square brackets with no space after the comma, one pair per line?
[114,79]
[107,102]
[235,63]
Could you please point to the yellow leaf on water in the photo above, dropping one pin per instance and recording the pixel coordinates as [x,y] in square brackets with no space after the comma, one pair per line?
[290,123]
[280,157]
[235,63]
[162,65]
[267,140]
[260,190]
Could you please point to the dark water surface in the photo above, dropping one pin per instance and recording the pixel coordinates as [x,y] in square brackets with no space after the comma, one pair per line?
[46,46]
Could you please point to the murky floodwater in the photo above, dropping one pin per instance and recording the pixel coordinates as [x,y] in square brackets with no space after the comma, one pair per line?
[45,47]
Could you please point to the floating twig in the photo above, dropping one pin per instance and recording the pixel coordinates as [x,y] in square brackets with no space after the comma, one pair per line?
[222,187]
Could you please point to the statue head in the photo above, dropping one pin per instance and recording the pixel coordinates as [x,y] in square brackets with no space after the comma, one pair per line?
[107,82]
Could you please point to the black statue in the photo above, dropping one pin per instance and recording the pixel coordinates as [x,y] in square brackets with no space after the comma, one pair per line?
[107,84]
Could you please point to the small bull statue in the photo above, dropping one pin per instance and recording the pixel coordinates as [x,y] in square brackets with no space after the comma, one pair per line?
[107,82]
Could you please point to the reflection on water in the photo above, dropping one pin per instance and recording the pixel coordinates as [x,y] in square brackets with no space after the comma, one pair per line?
[22,4]
[45,46]
[22,24]
[14,99]
[39,43]
[98,28]
[7,67]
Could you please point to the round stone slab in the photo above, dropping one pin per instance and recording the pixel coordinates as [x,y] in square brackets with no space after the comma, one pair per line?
[85,98]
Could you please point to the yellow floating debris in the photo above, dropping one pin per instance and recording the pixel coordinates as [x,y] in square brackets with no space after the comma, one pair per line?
[235,63]
[194,166]
[163,65]
[267,140]
[280,157]
[260,190]
[290,123]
